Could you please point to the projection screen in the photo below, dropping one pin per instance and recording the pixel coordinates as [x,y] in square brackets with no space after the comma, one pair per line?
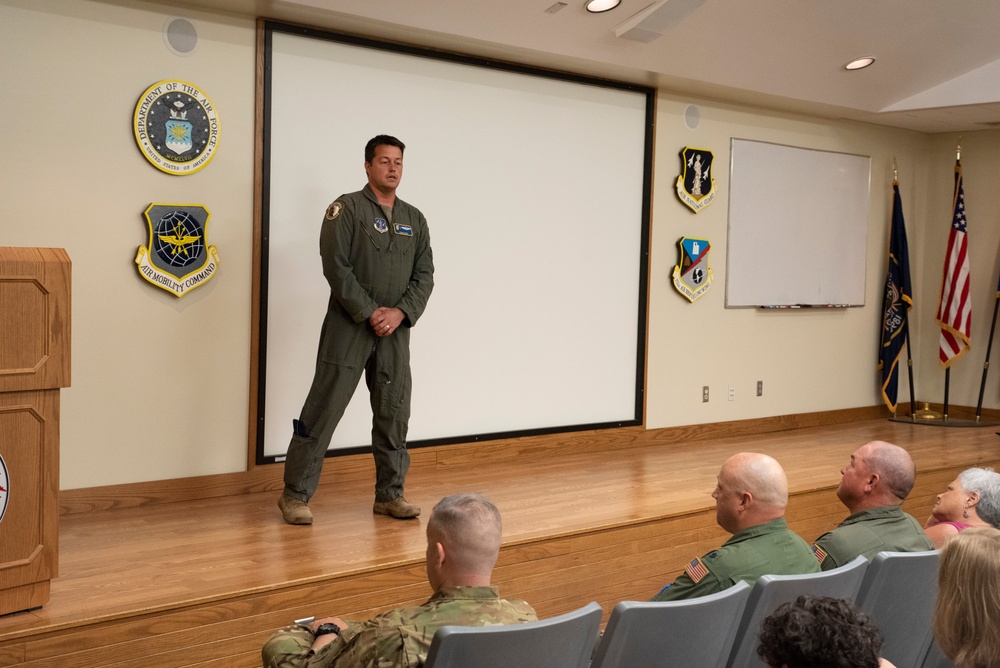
[536,191]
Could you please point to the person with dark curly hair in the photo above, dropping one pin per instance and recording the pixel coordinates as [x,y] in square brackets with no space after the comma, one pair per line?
[820,632]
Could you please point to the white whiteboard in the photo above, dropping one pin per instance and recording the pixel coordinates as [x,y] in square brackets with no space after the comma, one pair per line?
[798,226]
[535,191]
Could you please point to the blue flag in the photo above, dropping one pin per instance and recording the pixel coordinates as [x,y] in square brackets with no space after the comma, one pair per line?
[896,304]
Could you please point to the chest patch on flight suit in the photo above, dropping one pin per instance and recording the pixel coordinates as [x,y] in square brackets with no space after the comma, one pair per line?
[402,230]
[334,210]
[696,570]
[381,226]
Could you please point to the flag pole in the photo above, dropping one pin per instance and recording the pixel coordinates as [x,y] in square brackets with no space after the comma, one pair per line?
[906,322]
[909,364]
[986,362]
[947,379]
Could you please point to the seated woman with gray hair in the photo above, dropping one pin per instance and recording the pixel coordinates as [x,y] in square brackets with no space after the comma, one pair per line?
[971,500]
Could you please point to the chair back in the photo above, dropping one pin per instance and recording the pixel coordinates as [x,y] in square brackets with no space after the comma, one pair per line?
[899,592]
[566,641]
[935,658]
[773,590]
[693,632]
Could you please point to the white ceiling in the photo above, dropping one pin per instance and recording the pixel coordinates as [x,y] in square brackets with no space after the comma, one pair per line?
[937,67]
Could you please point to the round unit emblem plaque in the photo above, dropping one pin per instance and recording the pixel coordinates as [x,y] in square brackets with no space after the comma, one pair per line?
[176,127]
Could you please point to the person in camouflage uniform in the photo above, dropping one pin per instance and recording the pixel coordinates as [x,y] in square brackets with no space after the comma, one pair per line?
[873,486]
[750,500]
[463,542]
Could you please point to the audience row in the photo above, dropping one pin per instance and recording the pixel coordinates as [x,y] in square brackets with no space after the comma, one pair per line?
[464,536]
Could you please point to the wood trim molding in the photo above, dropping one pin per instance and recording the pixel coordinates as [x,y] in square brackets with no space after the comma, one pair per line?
[269,477]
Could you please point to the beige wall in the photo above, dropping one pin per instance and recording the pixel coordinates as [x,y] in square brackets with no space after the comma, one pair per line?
[808,360]
[160,384]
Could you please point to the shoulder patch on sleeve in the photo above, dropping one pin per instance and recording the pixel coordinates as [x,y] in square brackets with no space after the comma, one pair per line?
[334,210]
[819,553]
[696,570]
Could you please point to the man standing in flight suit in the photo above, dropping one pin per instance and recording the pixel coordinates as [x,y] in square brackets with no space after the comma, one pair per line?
[377,259]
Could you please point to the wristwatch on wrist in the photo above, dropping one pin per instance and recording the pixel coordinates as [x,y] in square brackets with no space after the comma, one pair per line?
[324,629]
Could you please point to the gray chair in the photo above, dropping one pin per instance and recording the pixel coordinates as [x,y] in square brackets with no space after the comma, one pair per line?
[695,632]
[935,658]
[566,641]
[773,590]
[899,592]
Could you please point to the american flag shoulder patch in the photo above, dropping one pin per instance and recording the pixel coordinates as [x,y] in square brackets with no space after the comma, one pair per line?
[819,553]
[696,570]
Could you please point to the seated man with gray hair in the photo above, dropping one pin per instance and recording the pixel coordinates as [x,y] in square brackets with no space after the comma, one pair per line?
[463,543]
[873,486]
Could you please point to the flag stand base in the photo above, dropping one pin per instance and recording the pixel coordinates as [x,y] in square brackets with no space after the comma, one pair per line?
[940,421]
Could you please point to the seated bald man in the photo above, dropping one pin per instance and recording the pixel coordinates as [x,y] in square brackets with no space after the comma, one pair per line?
[750,500]
[873,486]
[463,542]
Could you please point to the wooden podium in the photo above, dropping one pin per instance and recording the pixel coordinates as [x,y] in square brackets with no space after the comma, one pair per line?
[34,364]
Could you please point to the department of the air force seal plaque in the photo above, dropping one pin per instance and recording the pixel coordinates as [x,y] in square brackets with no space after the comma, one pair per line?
[176,127]
[178,258]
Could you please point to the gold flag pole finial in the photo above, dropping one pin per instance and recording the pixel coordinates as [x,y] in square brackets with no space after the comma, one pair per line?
[958,151]
[895,170]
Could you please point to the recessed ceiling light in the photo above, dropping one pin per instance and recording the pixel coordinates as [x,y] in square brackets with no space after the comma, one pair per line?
[860,63]
[598,6]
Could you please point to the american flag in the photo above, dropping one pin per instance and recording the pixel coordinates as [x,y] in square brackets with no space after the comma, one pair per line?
[955,310]
[696,570]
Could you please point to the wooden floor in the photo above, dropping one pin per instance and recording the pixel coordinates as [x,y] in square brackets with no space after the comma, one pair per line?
[203,582]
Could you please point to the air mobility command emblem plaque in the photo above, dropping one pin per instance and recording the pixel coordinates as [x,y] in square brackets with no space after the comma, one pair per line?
[693,276]
[176,127]
[695,185]
[177,258]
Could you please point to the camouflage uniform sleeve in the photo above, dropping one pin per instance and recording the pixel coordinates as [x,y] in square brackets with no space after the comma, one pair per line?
[287,648]
[291,647]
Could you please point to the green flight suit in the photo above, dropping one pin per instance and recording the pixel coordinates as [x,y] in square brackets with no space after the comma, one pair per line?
[369,261]
[868,532]
[397,638]
[765,549]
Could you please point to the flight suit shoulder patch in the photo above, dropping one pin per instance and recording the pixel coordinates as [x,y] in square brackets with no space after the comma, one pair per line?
[696,570]
[334,210]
